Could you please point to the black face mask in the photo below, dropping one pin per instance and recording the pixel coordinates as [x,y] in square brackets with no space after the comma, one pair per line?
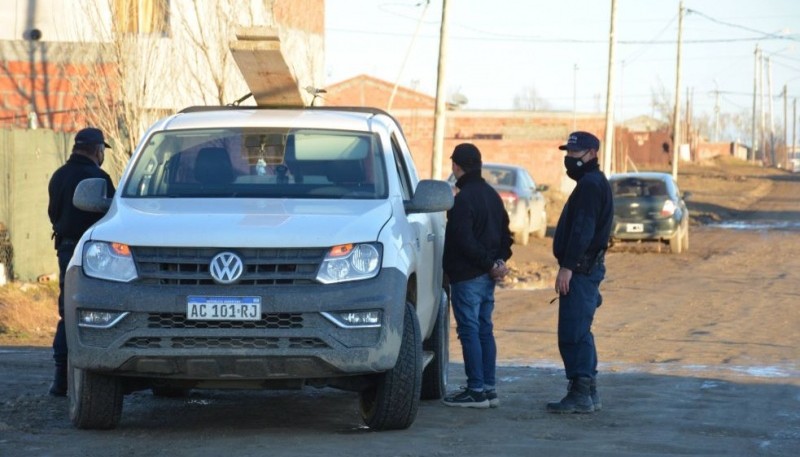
[574,166]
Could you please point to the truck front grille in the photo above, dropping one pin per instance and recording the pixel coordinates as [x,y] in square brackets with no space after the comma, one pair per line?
[225,343]
[271,321]
[190,266]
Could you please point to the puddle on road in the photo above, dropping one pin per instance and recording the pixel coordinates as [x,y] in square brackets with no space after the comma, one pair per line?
[757,225]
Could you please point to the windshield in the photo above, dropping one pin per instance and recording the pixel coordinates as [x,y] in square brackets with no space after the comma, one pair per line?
[265,163]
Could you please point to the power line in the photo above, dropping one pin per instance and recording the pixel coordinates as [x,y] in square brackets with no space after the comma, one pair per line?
[530,39]
[737,26]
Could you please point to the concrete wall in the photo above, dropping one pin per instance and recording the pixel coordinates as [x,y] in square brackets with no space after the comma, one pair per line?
[28,160]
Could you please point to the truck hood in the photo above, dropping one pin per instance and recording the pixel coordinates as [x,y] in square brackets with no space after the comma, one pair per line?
[219,222]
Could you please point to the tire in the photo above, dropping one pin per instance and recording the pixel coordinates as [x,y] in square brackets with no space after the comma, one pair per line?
[95,400]
[391,403]
[686,238]
[676,242]
[525,235]
[434,378]
[542,231]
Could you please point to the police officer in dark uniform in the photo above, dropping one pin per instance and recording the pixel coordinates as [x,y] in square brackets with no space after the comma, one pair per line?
[69,223]
[579,245]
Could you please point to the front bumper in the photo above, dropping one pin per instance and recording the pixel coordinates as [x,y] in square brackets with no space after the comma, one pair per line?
[293,340]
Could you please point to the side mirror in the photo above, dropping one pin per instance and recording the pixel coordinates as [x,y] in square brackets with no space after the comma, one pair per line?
[686,195]
[431,196]
[90,195]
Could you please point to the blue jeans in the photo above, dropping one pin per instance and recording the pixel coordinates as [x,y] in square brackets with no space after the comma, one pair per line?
[575,315]
[473,303]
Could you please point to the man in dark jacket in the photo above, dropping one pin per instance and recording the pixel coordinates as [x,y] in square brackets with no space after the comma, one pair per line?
[579,245]
[69,223]
[477,244]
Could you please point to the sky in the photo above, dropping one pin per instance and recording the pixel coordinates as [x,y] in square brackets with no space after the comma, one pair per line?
[497,50]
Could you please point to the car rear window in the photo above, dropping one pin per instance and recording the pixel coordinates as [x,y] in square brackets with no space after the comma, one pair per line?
[498,176]
[638,187]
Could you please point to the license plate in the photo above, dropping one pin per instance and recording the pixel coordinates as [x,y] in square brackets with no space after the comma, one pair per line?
[634,228]
[202,308]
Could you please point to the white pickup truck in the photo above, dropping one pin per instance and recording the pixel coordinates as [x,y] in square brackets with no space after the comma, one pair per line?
[266,249]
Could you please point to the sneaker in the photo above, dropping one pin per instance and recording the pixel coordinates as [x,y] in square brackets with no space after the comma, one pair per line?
[467,398]
[491,395]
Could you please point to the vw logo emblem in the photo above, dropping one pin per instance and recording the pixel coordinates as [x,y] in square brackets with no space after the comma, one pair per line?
[226,267]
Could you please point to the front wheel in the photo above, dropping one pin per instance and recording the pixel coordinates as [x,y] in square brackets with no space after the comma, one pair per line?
[95,400]
[434,378]
[391,403]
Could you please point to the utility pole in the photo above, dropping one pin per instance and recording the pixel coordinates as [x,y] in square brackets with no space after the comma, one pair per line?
[785,154]
[574,95]
[794,131]
[608,149]
[770,119]
[762,112]
[716,112]
[752,154]
[439,115]
[676,114]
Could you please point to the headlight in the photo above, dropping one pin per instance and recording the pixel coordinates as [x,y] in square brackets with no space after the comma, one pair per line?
[111,261]
[350,262]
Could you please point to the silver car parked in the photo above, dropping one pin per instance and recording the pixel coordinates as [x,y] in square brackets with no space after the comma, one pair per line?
[523,199]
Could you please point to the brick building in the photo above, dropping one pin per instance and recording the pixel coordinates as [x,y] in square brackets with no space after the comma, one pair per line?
[527,138]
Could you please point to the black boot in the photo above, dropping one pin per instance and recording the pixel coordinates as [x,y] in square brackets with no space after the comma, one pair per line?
[598,404]
[59,386]
[577,400]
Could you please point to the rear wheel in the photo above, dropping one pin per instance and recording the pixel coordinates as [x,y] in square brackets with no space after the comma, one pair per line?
[542,231]
[95,400]
[524,235]
[686,238]
[676,241]
[391,403]
[434,378]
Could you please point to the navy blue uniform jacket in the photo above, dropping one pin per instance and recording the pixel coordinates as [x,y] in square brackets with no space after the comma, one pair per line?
[585,223]
[68,221]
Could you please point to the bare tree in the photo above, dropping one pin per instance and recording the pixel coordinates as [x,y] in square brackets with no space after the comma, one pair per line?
[528,100]
[208,27]
[125,78]
[662,103]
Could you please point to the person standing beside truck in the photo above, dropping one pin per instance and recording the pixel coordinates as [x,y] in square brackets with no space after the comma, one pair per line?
[476,245]
[579,245]
[69,223]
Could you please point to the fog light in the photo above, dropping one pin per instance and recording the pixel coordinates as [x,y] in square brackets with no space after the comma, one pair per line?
[355,319]
[99,319]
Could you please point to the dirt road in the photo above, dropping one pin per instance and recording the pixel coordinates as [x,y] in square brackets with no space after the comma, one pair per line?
[699,355]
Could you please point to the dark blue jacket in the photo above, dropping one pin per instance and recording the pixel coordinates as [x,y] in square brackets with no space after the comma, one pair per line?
[477,231]
[585,223]
[68,221]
